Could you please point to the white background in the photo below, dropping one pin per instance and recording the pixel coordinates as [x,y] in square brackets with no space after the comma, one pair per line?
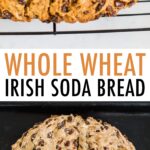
[100,40]
[77,73]
[77,43]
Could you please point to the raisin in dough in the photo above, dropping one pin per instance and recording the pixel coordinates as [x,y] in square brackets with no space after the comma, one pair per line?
[103,136]
[73,133]
[13,9]
[38,9]
[85,10]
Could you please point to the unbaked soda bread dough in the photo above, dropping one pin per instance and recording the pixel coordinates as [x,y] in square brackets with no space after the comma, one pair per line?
[69,132]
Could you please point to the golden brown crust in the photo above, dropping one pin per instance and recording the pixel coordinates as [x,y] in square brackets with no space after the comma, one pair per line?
[61,10]
[38,9]
[85,10]
[13,9]
[77,10]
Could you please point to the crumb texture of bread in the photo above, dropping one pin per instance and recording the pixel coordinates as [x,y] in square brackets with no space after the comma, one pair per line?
[69,132]
[69,11]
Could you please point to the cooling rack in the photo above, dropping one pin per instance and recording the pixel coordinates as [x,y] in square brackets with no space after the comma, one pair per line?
[134,19]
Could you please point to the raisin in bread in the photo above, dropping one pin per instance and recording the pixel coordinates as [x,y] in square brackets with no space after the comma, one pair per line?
[73,133]
[61,10]
[38,9]
[85,10]
[76,10]
[13,9]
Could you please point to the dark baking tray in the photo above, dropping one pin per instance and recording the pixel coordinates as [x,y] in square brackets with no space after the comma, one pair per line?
[133,119]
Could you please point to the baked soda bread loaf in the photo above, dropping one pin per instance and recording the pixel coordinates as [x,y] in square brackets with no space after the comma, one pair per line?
[13,9]
[38,9]
[68,132]
[61,10]
[85,10]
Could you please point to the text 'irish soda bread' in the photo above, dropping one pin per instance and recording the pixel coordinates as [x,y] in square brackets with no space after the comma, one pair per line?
[73,133]
[61,10]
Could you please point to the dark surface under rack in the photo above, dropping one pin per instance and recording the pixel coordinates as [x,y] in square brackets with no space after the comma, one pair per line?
[55,31]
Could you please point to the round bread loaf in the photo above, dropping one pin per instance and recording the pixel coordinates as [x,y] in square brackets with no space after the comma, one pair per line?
[85,10]
[73,133]
[61,10]
[13,9]
[38,9]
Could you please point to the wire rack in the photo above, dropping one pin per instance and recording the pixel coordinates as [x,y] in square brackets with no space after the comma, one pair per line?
[55,31]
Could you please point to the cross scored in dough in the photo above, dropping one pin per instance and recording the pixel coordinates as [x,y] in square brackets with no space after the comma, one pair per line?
[68,132]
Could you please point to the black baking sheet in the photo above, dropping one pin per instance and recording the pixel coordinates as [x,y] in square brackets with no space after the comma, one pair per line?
[133,119]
